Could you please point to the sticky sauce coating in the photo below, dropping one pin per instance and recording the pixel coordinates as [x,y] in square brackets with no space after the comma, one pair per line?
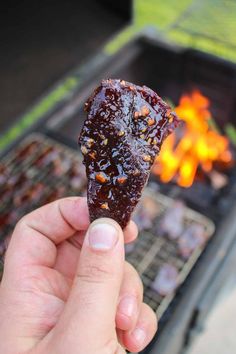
[122,135]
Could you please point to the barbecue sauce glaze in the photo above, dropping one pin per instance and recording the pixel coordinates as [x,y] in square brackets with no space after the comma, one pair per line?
[125,127]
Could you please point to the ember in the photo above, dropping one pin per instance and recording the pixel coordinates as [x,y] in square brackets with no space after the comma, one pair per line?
[196,146]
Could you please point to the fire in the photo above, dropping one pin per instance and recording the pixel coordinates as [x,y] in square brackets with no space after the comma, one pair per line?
[198,147]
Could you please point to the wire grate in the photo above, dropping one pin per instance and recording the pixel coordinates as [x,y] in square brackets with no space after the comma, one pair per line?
[41,170]
[152,250]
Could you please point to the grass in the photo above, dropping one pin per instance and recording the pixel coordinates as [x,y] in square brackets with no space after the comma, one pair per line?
[165,16]
[40,109]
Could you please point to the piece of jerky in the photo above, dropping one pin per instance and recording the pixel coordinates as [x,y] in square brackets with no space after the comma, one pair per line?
[145,213]
[166,280]
[193,237]
[122,135]
[172,222]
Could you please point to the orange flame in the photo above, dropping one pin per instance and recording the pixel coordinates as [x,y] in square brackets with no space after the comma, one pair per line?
[200,145]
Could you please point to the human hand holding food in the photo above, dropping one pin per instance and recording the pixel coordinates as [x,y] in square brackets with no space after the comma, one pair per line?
[67,289]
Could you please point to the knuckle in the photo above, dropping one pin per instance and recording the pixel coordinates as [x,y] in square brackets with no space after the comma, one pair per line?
[21,224]
[24,222]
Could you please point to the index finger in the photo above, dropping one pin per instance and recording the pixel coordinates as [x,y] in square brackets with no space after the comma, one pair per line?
[37,234]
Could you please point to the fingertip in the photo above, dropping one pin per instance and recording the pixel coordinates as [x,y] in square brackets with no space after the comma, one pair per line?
[144,331]
[108,221]
[102,236]
[130,232]
[75,211]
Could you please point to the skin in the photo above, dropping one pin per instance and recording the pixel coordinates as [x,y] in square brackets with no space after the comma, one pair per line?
[60,295]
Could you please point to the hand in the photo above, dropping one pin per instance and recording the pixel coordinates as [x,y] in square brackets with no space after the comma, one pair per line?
[67,289]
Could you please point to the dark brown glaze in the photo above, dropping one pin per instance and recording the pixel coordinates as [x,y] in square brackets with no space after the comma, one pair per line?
[122,135]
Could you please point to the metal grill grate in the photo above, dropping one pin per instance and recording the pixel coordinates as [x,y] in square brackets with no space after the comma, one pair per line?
[40,170]
[152,251]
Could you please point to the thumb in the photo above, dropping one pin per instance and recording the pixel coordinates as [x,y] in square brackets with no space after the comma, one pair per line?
[90,312]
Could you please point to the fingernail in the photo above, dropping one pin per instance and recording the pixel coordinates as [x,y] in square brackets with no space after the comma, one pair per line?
[102,236]
[139,335]
[128,306]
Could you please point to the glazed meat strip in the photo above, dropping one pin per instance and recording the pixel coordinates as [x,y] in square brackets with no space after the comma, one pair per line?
[125,127]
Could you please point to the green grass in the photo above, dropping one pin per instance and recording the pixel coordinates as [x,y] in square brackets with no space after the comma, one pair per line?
[174,20]
[158,12]
[44,106]
[120,40]
[155,13]
[203,44]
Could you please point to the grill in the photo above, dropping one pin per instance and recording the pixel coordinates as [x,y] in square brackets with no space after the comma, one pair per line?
[38,171]
[44,166]
[41,170]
